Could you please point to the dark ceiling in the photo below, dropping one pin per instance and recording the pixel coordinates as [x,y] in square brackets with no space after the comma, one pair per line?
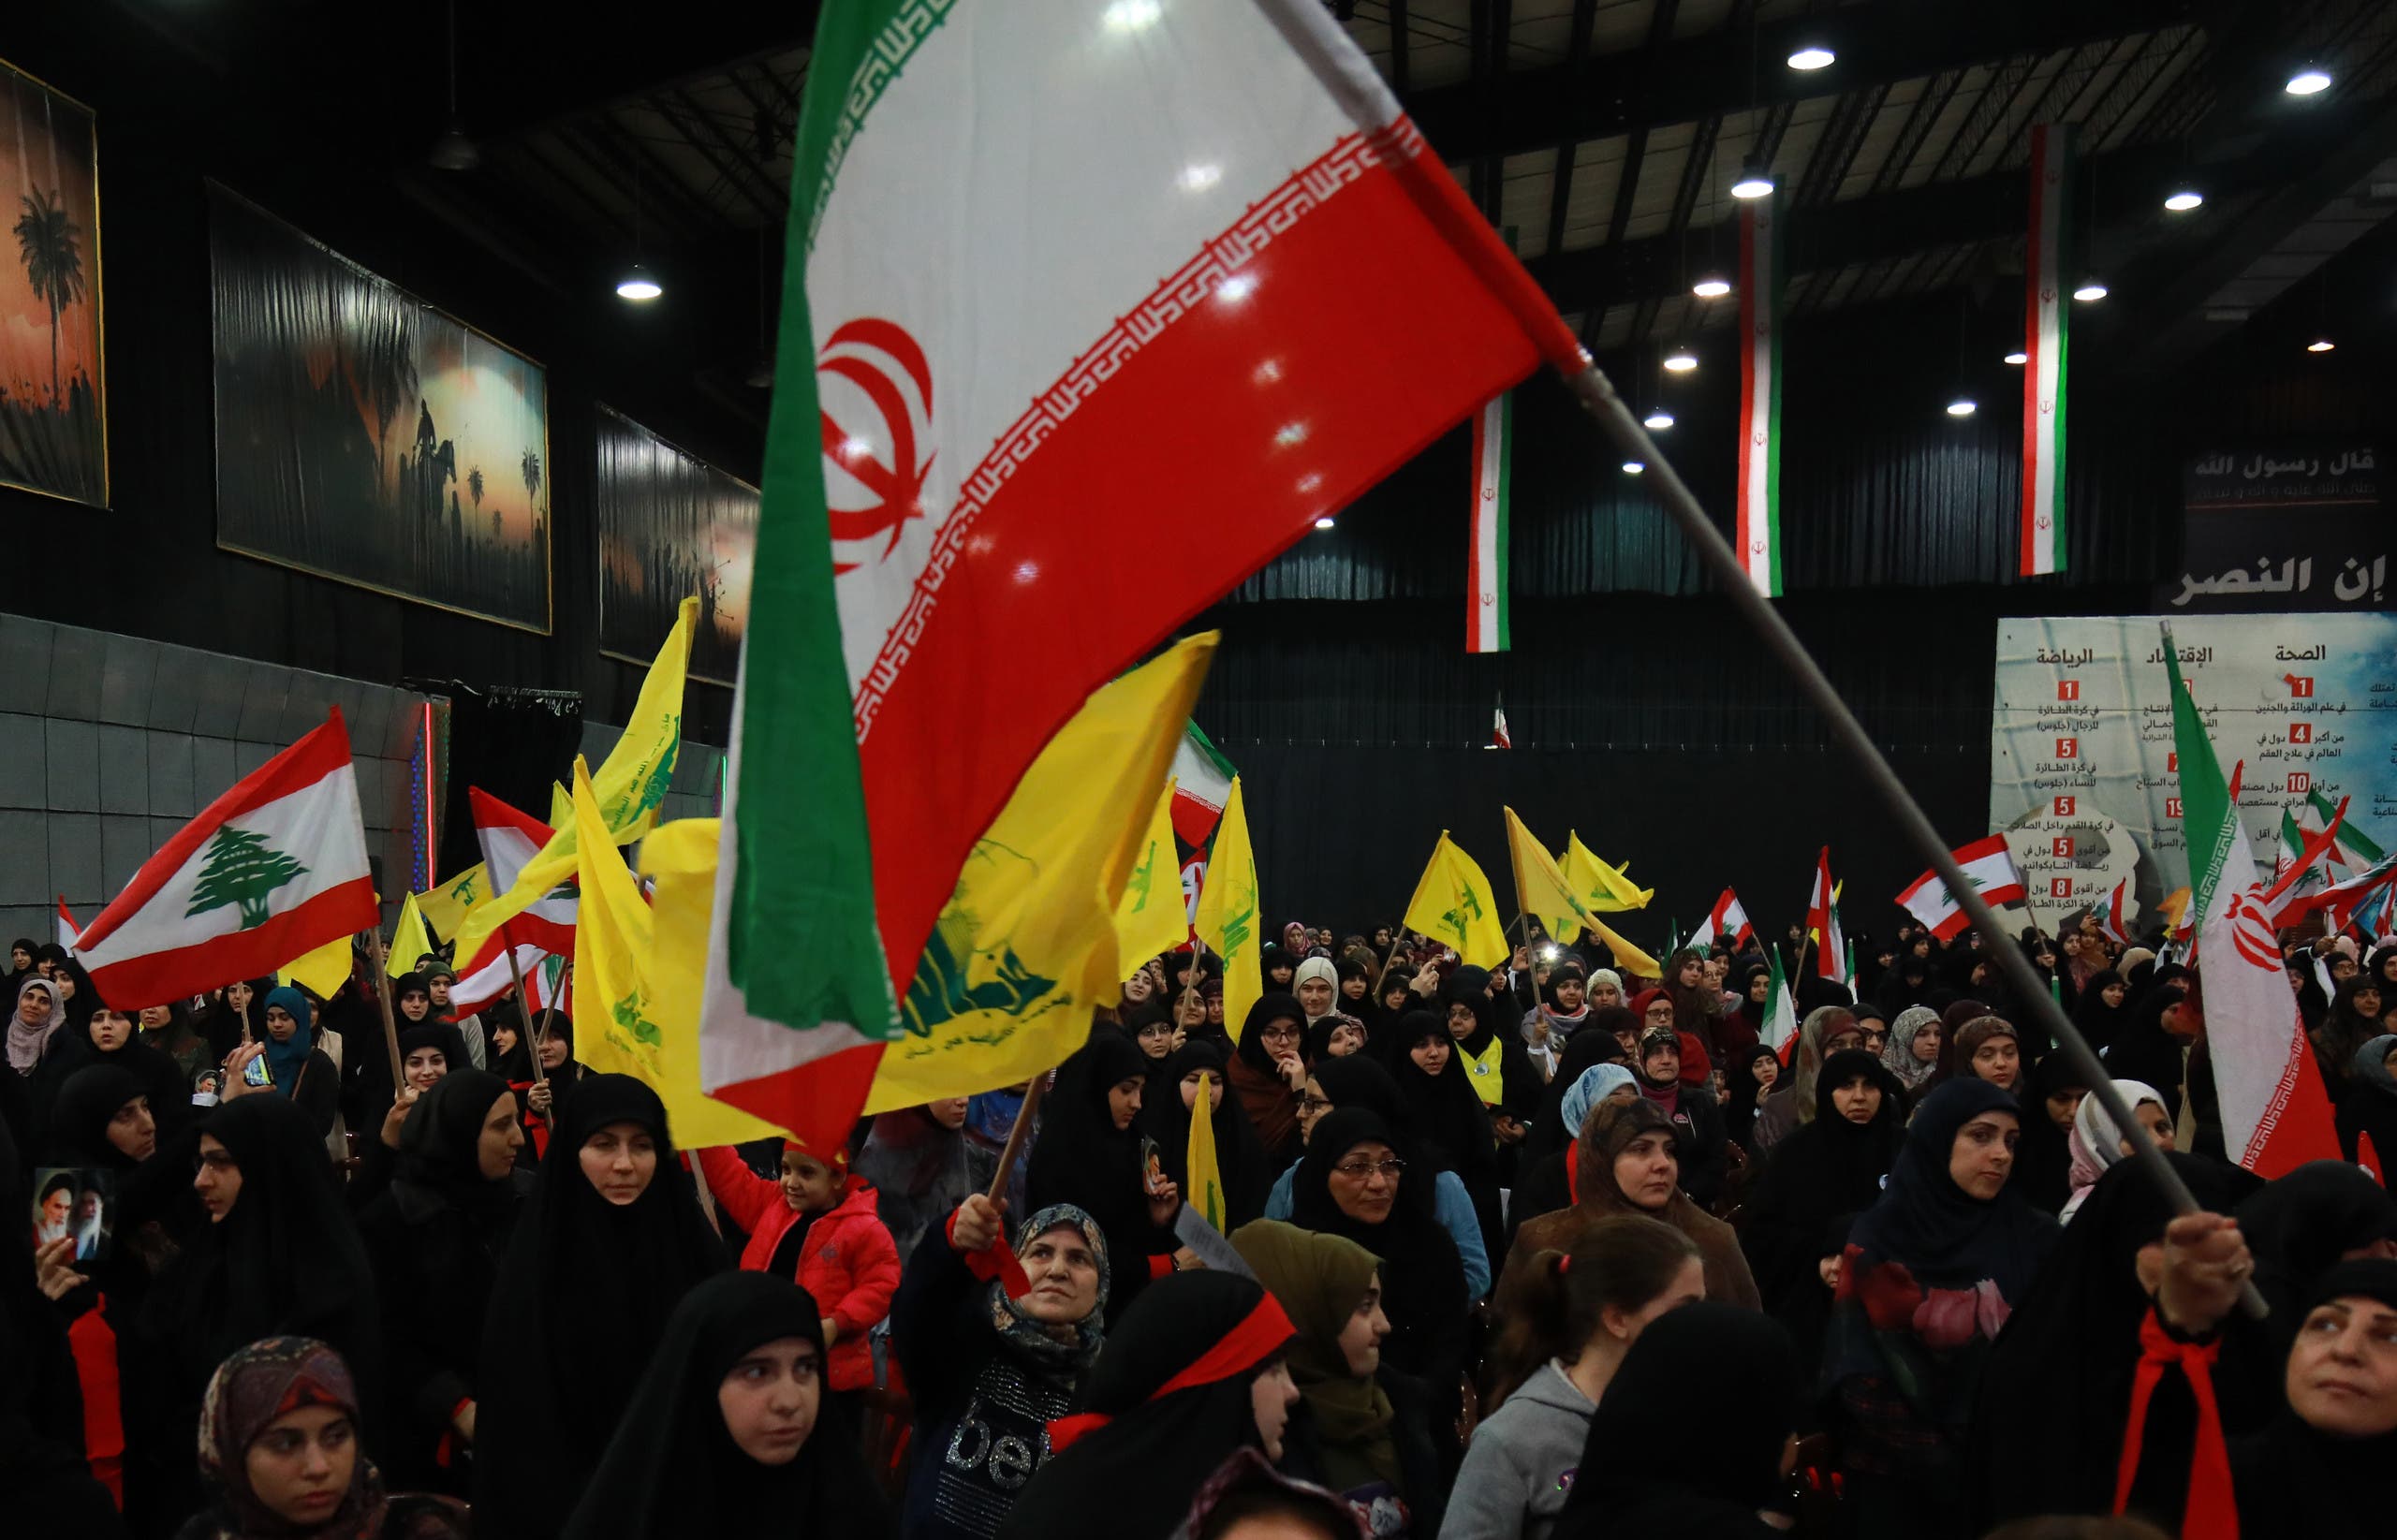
[1605,133]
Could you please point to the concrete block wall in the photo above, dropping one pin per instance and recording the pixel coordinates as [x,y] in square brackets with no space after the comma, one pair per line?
[109,744]
[699,768]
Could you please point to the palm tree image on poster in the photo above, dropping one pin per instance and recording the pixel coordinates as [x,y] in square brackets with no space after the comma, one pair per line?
[53,420]
[355,423]
[670,525]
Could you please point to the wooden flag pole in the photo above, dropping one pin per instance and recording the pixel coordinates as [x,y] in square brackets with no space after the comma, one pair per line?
[1596,395]
[524,1009]
[383,994]
[1016,1136]
[547,1011]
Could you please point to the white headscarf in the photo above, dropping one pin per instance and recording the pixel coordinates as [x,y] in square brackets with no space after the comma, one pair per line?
[2096,1143]
[25,1043]
[1316,967]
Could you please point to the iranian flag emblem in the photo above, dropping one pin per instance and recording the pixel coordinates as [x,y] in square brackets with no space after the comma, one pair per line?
[1084,298]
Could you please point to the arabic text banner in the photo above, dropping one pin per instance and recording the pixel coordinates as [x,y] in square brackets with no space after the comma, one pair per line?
[2083,781]
[2296,527]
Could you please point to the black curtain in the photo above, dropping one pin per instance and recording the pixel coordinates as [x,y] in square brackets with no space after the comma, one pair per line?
[513,745]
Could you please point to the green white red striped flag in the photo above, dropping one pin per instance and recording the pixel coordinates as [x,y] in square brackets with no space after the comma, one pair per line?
[1068,284]
[2046,306]
[1487,627]
[1760,277]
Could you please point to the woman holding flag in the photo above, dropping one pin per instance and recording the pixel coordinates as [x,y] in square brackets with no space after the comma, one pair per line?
[1090,1157]
[1166,1118]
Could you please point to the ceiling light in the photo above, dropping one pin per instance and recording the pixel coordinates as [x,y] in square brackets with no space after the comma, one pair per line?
[1681,360]
[1197,179]
[1132,15]
[1633,468]
[2090,289]
[1711,286]
[1963,406]
[761,374]
[1812,57]
[1658,422]
[638,286]
[2184,200]
[2307,82]
[1323,522]
[1755,182]
[2017,356]
[453,150]
[2320,344]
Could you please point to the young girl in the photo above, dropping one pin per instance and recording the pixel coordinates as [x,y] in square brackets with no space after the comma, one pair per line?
[1575,1315]
[816,1226]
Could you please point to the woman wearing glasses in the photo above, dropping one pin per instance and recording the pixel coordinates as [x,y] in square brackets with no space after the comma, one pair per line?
[1269,1075]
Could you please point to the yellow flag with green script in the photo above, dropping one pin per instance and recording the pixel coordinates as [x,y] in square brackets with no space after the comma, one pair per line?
[1205,1192]
[1026,944]
[1540,889]
[1149,918]
[1454,906]
[444,909]
[1603,890]
[1228,910]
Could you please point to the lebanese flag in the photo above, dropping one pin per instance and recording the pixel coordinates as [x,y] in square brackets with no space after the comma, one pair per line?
[273,870]
[490,979]
[1988,867]
[510,839]
[2274,1114]
[1727,919]
[1822,920]
[2344,904]
[2045,322]
[68,932]
[2111,921]
[1178,280]
[1759,530]
[1202,780]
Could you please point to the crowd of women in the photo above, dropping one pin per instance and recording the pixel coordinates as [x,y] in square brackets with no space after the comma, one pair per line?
[1546,1250]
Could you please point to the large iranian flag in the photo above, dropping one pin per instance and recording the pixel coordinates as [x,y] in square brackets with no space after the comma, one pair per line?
[2046,323]
[2275,1115]
[1760,505]
[1085,299]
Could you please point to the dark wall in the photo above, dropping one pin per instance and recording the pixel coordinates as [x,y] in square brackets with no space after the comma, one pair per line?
[149,565]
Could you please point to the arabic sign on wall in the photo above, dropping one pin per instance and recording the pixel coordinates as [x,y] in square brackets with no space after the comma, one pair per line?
[2294,529]
[2084,779]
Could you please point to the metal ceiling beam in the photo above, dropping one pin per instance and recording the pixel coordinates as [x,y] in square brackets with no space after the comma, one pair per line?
[1881,42]
[705,136]
[1578,49]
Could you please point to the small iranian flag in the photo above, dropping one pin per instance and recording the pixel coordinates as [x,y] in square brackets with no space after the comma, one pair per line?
[1760,279]
[273,870]
[1727,921]
[2274,1114]
[2112,918]
[2044,325]
[1990,869]
[1781,1012]
[1499,738]
[1494,430]
[1068,284]
[1202,780]
[1822,921]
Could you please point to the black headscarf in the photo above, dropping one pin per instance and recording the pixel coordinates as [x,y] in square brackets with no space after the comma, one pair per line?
[1357,1080]
[1083,1159]
[1594,1044]
[2043,1161]
[80,1118]
[2048,1426]
[1520,1083]
[1647,1469]
[1442,1110]
[2299,1224]
[1133,1478]
[673,1471]
[1240,1159]
[2097,1021]
[1741,1092]
[1423,1280]
[440,1145]
[430,1033]
[2144,1050]
[2294,1480]
[580,1308]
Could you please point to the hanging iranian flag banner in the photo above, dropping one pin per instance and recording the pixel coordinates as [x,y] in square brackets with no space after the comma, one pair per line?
[1487,629]
[2044,325]
[1760,274]
[2275,1115]
[1069,285]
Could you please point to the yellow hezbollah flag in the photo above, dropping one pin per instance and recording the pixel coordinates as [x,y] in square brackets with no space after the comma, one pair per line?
[323,971]
[1149,918]
[408,940]
[1540,889]
[1454,906]
[637,1018]
[1026,944]
[443,910]
[561,806]
[1205,1192]
[1228,910]
[628,787]
[1603,890]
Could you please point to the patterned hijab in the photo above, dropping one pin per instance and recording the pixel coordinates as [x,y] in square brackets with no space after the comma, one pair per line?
[1063,1349]
[1897,1054]
[255,1385]
[25,1043]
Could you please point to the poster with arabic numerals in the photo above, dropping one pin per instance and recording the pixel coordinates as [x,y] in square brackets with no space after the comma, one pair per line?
[2084,781]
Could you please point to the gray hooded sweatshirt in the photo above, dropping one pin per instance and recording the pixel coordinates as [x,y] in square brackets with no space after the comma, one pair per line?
[1520,1467]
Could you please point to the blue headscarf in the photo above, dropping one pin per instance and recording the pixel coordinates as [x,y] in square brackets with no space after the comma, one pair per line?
[284,1061]
[1596,1084]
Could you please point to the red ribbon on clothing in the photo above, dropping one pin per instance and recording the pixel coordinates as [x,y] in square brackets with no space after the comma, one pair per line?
[1261,1333]
[2209,1511]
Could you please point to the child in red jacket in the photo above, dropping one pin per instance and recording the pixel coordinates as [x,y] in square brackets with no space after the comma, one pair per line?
[816,1226]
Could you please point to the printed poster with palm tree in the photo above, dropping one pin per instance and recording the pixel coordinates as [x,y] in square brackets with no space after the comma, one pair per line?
[671,525]
[54,420]
[362,435]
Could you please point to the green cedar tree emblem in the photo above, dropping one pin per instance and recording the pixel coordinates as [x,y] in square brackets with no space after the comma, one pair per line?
[240,868]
